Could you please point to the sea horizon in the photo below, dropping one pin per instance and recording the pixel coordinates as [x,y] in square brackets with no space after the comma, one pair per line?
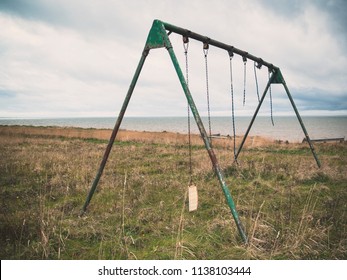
[286,127]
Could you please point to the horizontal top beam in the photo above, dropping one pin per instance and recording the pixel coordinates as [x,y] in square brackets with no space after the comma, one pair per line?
[229,48]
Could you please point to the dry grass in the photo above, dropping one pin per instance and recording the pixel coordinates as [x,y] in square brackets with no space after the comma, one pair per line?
[126,135]
[291,209]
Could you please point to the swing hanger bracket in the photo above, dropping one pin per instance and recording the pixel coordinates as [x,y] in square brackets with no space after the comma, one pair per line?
[258,64]
[206,46]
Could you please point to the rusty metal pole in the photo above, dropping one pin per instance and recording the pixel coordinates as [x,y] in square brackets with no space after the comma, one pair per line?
[277,78]
[206,140]
[115,130]
[301,124]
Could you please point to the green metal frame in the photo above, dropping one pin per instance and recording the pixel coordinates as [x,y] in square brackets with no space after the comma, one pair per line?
[159,38]
[277,78]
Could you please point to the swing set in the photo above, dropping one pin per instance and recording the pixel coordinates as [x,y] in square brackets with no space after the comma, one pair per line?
[158,37]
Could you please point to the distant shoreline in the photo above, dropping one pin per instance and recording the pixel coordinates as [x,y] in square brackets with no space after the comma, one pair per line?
[163,137]
[284,129]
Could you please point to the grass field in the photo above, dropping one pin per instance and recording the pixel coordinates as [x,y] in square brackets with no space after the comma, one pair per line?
[289,207]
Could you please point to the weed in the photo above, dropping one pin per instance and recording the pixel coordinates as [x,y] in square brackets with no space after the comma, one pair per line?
[290,209]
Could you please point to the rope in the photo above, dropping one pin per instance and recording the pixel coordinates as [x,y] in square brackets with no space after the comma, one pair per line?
[271,112]
[205,50]
[185,46]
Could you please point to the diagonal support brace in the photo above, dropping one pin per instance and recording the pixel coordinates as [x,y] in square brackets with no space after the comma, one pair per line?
[277,78]
[157,38]
[166,42]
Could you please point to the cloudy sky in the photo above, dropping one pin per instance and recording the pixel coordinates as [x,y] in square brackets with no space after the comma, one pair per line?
[77,58]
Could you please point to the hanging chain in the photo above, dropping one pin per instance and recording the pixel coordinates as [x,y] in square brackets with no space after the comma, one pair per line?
[205,50]
[270,92]
[232,102]
[256,80]
[244,79]
[185,46]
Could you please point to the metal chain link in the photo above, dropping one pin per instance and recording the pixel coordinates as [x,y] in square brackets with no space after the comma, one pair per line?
[205,50]
[271,111]
[244,79]
[232,103]
[256,80]
[185,46]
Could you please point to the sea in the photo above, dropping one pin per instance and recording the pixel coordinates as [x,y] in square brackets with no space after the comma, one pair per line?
[285,128]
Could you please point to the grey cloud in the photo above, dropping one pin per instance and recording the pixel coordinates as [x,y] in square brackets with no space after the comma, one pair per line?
[317,99]
[285,8]
[7,94]
[93,17]
[336,10]
[33,10]
[102,42]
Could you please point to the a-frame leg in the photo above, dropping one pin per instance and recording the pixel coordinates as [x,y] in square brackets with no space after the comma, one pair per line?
[208,146]
[157,38]
[301,123]
[255,115]
[277,78]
